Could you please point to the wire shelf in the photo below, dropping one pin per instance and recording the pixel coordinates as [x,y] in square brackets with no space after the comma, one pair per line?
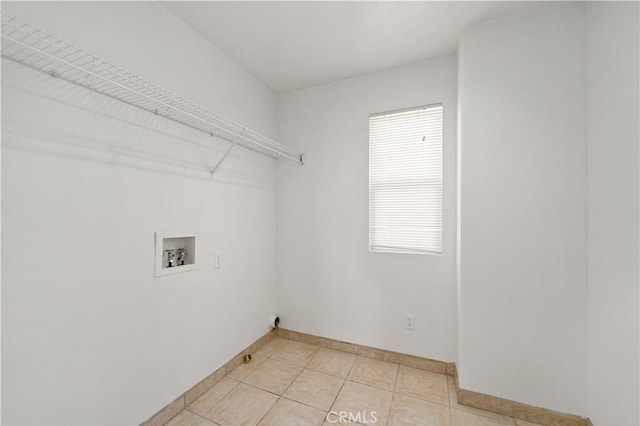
[32,47]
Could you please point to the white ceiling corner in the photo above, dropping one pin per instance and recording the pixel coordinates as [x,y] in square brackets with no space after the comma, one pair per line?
[293,45]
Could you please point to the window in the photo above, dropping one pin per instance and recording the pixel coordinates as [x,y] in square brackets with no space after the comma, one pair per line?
[405,181]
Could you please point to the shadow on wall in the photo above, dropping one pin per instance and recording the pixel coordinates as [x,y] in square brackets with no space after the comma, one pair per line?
[51,116]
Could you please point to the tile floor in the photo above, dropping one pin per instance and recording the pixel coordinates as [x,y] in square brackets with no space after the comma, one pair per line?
[293,383]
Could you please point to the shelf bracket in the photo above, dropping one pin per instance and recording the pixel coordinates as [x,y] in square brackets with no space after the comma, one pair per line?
[224,156]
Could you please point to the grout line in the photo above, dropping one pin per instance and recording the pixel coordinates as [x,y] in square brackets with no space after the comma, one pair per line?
[393,393]
[204,418]
[330,374]
[344,380]
[268,411]
[449,400]
[197,413]
[299,372]
[302,403]
[268,358]
[449,397]
[226,375]
[374,386]
[218,401]
[296,378]
[287,388]
[165,423]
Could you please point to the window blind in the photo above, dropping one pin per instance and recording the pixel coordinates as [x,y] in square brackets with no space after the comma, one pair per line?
[405,181]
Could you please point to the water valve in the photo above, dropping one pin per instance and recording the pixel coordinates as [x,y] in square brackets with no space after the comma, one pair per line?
[171,257]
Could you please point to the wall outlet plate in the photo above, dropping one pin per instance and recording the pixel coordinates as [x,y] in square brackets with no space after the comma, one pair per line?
[410,322]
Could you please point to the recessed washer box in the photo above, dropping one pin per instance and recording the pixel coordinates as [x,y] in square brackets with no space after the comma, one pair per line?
[175,252]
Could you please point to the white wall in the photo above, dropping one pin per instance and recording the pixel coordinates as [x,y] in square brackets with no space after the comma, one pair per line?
[329,283]
[523,252]
[87,181]
[89,336]
[613,134]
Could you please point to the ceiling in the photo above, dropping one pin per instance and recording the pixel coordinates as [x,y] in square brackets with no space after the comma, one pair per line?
[293,45]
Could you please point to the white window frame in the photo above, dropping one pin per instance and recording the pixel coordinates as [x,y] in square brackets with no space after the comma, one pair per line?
[426,240]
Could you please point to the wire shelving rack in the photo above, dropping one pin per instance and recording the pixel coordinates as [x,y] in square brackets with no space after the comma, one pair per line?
[34,48]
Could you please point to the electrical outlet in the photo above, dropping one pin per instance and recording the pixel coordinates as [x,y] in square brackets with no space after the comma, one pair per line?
[410,322]
[217,260]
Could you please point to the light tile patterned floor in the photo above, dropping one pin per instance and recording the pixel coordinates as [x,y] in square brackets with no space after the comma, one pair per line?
[293,383]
